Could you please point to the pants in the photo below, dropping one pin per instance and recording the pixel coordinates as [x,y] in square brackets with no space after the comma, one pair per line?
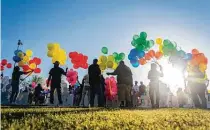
[154,89]
[198,90]
[86,90]
[96,89]
[135,98]
[58,89]
[15,90]
[124,94]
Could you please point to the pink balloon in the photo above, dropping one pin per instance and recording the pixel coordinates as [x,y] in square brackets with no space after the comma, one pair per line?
[33,84]
[110,88]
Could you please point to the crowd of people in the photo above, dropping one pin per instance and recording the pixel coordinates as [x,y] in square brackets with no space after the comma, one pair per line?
[93,83]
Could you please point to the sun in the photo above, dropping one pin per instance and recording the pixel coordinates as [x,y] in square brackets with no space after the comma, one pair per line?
[172,76]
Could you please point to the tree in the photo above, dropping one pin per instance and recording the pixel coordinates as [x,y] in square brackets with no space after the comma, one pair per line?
[37,79]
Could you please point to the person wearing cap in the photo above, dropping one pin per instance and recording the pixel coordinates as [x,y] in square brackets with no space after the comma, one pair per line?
[197,83]
[15,83]
[94,73]
[154,76]
[55,76]
[124,83]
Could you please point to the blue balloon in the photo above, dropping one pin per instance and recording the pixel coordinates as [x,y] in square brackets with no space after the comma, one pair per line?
[188,56]
[130,57]
[16,52]
[140,54]
[16,59]
[134,63]
[134,52]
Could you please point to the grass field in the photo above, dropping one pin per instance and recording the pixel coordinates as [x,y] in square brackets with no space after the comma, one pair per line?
[105,119]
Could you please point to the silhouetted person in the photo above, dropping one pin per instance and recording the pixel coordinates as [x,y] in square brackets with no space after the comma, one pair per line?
[197,85]
[86,89]
[15,83]
[142,91]
[154,76]
[55,77]
[94,73]
[135,93]
[37,93]
[124,83]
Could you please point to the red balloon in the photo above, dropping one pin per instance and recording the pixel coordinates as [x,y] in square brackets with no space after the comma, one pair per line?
[31,61]
[86,66]
[37,70]
[195,51]
[147,56]
[73,54]
[37,61]
[4,62]
[75,66]
[2,68]
[151,53]
[9,65]
[25,67]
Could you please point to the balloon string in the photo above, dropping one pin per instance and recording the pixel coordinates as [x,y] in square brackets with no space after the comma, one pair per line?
[27,76]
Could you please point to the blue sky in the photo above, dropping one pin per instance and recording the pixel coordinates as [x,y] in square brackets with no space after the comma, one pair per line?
[86,26]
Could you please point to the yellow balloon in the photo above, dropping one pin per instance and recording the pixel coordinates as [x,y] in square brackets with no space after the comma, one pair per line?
[26,59]
[161,48]
[103,59]
[110,58]
[50,46]
[115,65]
[202,67]
[29,53]
[110,64]
[50,53]
[208,91]
[21,63]
[102,66]
[159,41]
[32,66]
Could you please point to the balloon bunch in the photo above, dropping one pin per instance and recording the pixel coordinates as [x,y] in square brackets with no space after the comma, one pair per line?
[78,60]
[167,47]
[56,53]
[5,63]
[32,65]
[21,57]
[141,43]
[107,62]
[198,60]
[110,88]
[71,77]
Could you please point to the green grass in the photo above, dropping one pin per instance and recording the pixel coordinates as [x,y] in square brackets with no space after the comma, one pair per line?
[105,119]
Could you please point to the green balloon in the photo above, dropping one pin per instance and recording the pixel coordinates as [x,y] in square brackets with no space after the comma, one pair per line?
[140,47]
[122,56]
[142,41]
[104,50]
[133,43]
[115,54]
[143,35]
[166,42]
[135,37]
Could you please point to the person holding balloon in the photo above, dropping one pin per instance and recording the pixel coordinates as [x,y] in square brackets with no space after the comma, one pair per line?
[15,82]
[196,81]
[154,76]
[124,82]
[55,77]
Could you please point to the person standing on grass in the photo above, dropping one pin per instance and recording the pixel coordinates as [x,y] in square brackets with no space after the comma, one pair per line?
[154,76]
[124,83]
[94,73]
[142,91]
[55,77]
[16,82]
[135,93]
[37,93]
[196,81]
[86,89]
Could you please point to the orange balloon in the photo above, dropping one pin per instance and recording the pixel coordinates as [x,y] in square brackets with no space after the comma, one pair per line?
[147,56]
[158,55]
[205,61]
[151,53]
[195,51]
[142,61]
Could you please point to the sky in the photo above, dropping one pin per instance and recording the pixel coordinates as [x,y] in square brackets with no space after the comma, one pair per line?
[86,26]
